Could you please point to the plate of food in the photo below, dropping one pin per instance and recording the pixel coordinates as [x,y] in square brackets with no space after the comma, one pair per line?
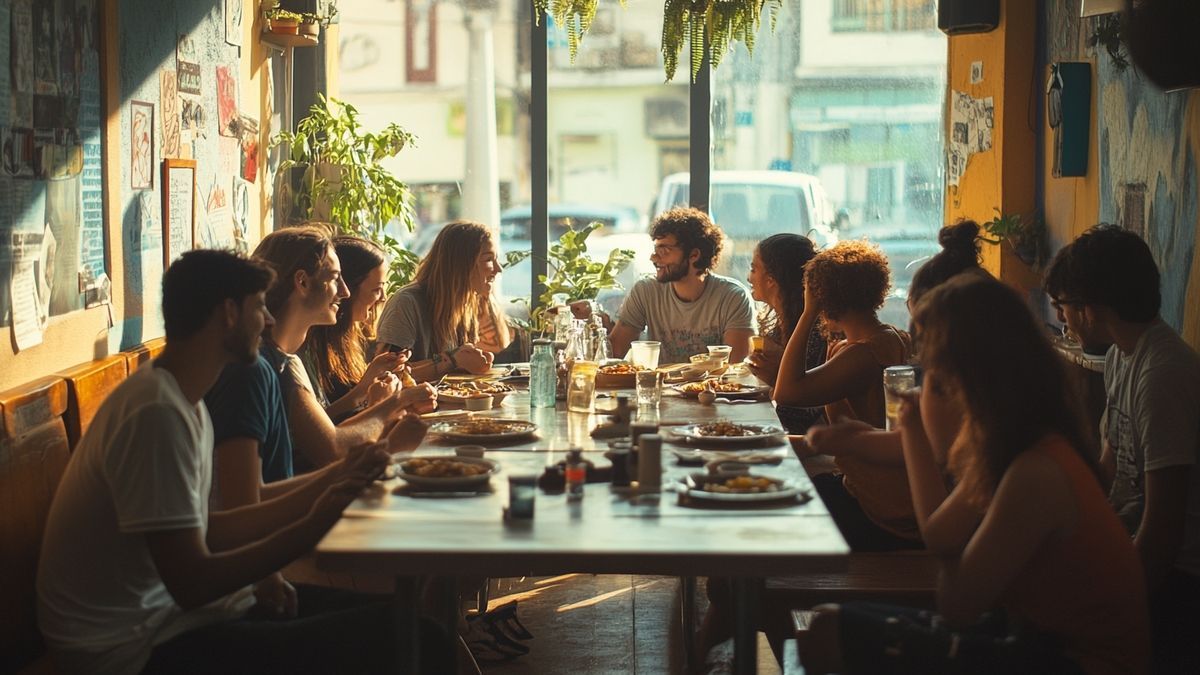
[730,390]
[484,429]
[459,392]
[737,488]
[727,432]
[619,375]
[446,471]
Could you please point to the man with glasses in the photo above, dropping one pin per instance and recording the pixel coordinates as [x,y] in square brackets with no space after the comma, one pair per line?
[685,306]
[1105,287]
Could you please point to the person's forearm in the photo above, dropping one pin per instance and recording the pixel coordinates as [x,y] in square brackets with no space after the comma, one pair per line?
[233,528]
[347,403]
[367,426]
[304,482]
[880,447]
[924,477]
[793,366]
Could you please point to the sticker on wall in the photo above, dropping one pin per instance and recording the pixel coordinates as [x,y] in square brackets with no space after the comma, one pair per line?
[192,120]
[141,145]
[971,121]
[188,65]
[249,129]
[220,217]
[227,114]
[169,113]
[241,215]
[233,22]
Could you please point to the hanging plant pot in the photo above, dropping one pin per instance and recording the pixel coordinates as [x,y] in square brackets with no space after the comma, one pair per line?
[285,26]
[310,29]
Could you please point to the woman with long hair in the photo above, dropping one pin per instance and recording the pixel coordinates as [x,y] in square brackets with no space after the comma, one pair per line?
[448,317]
[335,356]
[777,282]
[1025,533]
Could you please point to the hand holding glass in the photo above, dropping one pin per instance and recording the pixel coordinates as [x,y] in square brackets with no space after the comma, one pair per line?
[897,380]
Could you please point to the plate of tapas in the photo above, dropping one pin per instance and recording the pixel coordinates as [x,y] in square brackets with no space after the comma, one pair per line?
[727,432]
[484,429]
[446,471]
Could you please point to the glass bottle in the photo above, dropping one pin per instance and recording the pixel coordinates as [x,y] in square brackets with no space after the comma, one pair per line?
[563,320]
[576,474]
[543,378]
[602,346]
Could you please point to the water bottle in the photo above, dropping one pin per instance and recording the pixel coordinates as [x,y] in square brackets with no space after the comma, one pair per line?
[543,380]
[576,475]
[564,322]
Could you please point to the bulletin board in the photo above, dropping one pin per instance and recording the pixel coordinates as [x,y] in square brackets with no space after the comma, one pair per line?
[51,185]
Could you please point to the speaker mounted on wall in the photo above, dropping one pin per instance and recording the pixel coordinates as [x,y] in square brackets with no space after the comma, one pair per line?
[956,17]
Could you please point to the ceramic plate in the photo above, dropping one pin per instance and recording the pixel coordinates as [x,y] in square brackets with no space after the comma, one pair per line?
[756,432]
[484,429]
[693,486]
[452,482]
[691,389]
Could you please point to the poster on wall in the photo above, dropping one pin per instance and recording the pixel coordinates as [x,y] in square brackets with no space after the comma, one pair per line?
[187,62]
[249,129]
[233,22]
[169,113]
[141,145]
[51,176]
[971,121]
[179,208]
[241,215]
[227,113]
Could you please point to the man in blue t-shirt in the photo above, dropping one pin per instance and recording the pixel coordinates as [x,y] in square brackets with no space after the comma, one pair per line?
[247,407]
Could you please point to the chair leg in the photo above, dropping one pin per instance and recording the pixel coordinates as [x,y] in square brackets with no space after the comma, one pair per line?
[481,597]
[687,611]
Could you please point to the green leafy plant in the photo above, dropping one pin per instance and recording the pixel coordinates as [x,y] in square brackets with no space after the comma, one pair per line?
[1106,32]
[724,22]
[277,14]
[1027,237]
[572,271]
[344,181]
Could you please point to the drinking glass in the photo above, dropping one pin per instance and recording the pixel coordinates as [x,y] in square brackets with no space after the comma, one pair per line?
[897,380]
[522,490]
[644,353]
[649,387]
[582,386]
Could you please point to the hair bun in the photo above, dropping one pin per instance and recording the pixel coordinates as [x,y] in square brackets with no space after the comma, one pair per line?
[959,238]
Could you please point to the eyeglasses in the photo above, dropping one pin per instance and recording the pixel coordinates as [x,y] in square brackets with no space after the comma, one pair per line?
[1058,304]
[661,250]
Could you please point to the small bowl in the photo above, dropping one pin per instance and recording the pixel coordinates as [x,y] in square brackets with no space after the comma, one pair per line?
[478,403]
[470,451]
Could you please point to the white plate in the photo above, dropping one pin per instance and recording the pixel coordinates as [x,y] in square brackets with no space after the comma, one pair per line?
[763,431]
[457,430]
[786,491]
[745,391]
[449,482]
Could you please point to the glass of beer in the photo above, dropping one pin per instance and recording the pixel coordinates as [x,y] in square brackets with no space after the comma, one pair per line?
[897,380]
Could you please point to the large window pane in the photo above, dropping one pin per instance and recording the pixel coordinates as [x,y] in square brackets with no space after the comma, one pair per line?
[849,93]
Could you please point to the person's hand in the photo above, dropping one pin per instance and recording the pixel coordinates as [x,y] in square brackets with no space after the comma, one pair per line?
[407,434]
[328,507]
[764,365]
[472,359]
[835,439]
[276,597]
[386,384]
[420,398]
[810,302]
[364,463]
[912,428]
[385,362]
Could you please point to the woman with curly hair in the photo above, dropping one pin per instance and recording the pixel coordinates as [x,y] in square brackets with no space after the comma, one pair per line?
[844,287]
[335,355]
[777,282]
[1038,574]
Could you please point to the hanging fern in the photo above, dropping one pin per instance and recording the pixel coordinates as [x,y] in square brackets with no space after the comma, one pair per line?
[724,21]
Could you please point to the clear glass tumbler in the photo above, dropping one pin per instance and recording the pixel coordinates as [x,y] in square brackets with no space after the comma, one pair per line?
[649,387]
[581,386]
[897,380]
[644,353]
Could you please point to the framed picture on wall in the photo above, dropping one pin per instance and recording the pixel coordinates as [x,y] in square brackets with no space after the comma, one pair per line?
[179,208]
[141,145]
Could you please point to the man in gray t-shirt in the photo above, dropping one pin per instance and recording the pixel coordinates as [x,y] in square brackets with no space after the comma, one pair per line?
[686,306]
[1105,286]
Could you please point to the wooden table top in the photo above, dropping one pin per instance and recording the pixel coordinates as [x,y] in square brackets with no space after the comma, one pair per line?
[611,530]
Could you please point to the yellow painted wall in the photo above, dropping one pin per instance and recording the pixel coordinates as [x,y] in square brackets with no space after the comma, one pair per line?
[1002,177]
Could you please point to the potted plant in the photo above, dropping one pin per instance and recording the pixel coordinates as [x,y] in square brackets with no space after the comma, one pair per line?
[310,25]
[572,271]
[1027,238]
[342,179]
[282,21]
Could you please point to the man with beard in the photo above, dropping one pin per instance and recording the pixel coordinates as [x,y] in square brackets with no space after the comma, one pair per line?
[686,307]
[135,573]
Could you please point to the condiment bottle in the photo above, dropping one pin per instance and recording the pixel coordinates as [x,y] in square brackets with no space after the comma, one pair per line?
[649,463]
[576,474]
[543,380]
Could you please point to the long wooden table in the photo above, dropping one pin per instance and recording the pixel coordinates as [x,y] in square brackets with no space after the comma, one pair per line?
[611,531]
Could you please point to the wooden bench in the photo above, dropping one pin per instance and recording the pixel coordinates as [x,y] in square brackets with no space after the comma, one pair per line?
[33,455]
[142,353]
[902,577]
[88,385]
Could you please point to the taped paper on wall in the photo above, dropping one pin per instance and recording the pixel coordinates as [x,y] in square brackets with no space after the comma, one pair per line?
[971,121]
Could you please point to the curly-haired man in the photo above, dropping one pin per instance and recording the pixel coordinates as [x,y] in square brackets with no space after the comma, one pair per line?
[686,306]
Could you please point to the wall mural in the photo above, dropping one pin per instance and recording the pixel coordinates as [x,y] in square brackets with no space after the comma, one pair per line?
[51,211]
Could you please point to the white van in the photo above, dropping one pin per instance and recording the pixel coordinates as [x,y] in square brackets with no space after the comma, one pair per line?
[750,206]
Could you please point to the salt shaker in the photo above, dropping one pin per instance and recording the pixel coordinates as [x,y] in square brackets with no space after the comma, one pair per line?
[649,463]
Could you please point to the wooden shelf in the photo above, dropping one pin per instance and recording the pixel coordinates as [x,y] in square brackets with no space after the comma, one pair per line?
[284,41]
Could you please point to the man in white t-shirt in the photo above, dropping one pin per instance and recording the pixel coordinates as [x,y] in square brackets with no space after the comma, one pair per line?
[685,306]
[135,574]
[1105,287]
